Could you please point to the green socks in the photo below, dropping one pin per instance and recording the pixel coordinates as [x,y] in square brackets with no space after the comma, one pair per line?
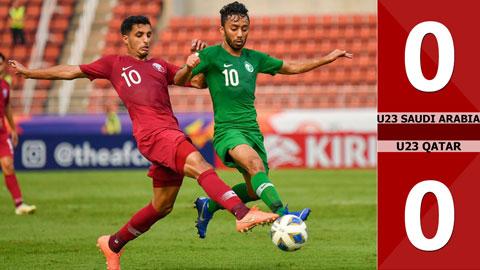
[267,192]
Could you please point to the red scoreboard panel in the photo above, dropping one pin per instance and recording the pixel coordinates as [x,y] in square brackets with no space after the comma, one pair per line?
[428,134]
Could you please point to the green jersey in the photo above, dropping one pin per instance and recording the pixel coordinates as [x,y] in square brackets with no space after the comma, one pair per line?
[231,81]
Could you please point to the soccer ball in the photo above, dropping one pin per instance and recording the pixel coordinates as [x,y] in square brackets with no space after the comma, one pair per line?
[289,233]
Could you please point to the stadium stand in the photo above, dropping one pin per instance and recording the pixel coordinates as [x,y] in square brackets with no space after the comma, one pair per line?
[58,28]
[344,84]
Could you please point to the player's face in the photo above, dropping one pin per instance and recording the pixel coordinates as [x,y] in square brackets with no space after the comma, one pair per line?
[235,31]
[138,40]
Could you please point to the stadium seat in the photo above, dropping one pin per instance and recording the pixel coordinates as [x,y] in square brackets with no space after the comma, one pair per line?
[205,23]
[30,24]
[33,11]
[318,34]
[343,21]
[359,20]
[189,22]
[64,9]
[327,21]
[371,76]
[51,52]
[311,47]
[20,52]
[298,22]
[4,4]
[137,8]
[349,33]
[265,22]
[312,22]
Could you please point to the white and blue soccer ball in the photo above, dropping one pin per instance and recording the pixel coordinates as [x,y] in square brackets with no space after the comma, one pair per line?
[289,233]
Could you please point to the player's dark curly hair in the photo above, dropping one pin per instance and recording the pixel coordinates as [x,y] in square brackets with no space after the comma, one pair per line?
[2,57]
[234,8]
[129,22]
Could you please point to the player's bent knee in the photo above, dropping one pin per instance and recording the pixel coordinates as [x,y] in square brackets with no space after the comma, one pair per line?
[255,166]
[195,165]
[8,168]
[204,166]
[165,211]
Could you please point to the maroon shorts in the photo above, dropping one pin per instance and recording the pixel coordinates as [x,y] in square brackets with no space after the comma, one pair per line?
[167,150]
[6,146]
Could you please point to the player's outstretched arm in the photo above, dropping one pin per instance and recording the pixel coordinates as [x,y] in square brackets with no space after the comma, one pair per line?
[62,72]
[301,66]
[185,74]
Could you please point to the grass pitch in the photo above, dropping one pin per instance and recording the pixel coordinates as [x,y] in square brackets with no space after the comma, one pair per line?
[74,208]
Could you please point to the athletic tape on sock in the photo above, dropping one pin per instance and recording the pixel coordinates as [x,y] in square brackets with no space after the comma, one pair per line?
[133,231]
[227,195]
[263,187]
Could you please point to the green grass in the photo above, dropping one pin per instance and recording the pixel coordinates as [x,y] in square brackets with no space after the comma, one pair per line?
[74,208]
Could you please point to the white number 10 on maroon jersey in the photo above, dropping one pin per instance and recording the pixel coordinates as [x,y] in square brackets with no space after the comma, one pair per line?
[130,77]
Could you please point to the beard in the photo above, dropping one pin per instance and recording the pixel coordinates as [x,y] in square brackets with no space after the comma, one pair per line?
[234,46]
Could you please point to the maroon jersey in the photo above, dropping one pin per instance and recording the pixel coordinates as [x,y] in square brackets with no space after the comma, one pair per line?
[143,87]
[4,100]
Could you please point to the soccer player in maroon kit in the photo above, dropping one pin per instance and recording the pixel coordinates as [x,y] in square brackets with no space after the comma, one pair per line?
[142,83]
[7,144]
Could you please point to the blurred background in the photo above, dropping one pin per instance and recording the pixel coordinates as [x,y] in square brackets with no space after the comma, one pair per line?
[321,119]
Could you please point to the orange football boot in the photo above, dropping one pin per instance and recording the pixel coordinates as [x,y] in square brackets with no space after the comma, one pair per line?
[253,218]
[113,259]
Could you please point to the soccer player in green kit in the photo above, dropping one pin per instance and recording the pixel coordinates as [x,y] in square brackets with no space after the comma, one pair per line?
[231,72]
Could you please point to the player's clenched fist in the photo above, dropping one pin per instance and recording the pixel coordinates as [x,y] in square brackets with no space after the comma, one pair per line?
[193,60]
[197,45]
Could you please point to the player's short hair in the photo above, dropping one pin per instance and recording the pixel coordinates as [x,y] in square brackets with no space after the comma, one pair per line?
[2,57]
[234,8]
[129,22]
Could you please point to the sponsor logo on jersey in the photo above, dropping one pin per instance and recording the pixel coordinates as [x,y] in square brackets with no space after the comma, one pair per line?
[125,68]
[158,67]
[5,92]
[225,65]
[248,67]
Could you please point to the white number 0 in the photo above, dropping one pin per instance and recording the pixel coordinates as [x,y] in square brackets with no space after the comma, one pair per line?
[446,56]
[446,210]
[446,215]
